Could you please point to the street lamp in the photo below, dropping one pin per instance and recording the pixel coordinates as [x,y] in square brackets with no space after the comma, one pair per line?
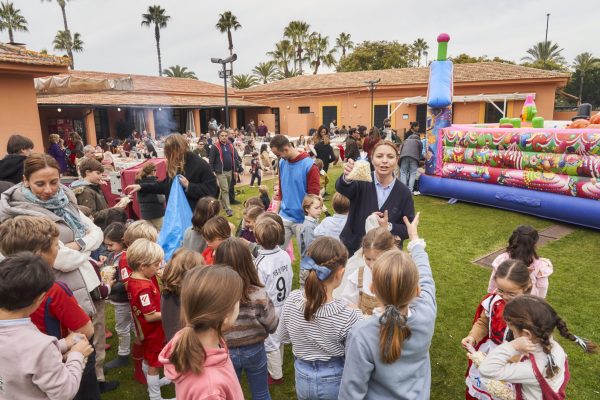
[223,74]
[372,83]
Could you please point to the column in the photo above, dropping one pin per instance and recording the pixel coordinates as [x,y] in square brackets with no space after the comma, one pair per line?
[90,126]
[149,117]
[233,117]
[197,122]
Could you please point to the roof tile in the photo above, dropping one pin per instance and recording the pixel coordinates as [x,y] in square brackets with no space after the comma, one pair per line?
[19,55]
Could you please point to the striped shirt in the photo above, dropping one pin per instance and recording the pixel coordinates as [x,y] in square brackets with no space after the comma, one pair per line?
[319,339]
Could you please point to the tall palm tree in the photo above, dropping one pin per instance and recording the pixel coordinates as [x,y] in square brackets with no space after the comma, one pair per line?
[11,20]
[63,4]
[282,55]
[318,52]
[297,32]
[227,22]
[266,71]
[344,42]
[243,81]
[584,63]
[156,16]
[420,46]
[63,41]
[544,53]
[179,72]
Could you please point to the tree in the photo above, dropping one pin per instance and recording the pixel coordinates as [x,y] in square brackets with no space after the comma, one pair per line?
[267,71]
[63,4]
[344,43]
[545,55]
[227,22]
[297,32]
[179,72]
[63,41]
[420,46]
[156,16]
[318,52]
[243,81]
[368,56]
[11,20]
[584,63]
[282,55]
[591,89]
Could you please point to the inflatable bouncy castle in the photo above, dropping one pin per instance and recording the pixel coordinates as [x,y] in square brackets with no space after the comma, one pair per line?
[548,172]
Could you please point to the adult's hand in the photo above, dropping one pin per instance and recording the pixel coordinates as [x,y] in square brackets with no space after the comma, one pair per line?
[348,168]
[132,188]
[411,227]
[184,181]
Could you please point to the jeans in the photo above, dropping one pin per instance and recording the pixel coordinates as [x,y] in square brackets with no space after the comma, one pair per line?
[319,380]
[255,176]
[408,171]
[223,180]
[253,360]
[123,326]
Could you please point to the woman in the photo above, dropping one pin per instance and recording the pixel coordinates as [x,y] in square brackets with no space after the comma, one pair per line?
[371,141]
[325,152]
[386,197]
[75,151]
[318,135]
[42,195]
[301,141]
[56,151]
[194,173]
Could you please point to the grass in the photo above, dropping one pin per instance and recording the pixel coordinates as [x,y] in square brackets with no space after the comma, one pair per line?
[456,235]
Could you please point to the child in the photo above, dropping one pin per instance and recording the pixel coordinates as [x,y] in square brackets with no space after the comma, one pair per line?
[383,362]
[255,169]
[215,231]
[257,318]
[250,215]
[312,206]
[152,206]
[182,261]
[489,328]
[197,358]
[275,272]
[206,208]
[317,324]
[332,226]
[324,179]
[25,280]
[521,246]
[274,205]
[264,196]
[357,290]
[144,258]
[87,189]
[543,372]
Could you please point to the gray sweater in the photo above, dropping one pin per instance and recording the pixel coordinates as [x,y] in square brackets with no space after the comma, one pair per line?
[410,376]
[412,147]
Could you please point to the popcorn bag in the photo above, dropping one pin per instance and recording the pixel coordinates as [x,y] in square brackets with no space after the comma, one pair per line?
[361,172]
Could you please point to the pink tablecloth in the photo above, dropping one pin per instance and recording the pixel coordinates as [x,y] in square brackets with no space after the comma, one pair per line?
[128,178]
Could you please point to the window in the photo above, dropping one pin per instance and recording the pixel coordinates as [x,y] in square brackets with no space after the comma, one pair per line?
[303,110]
[492,115]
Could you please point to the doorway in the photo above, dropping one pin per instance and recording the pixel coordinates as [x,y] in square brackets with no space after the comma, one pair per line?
[380,112]
[329,114]
[422,117]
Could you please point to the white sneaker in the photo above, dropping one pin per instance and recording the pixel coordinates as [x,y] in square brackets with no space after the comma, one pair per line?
[416,193]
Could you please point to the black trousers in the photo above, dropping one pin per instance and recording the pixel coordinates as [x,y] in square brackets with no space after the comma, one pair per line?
[89,388]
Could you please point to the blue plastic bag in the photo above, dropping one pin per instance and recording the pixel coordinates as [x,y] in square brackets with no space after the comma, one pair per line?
[178,217]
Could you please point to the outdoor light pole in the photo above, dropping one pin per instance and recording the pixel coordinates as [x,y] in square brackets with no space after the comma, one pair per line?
[547,22]
[224,72]
[372,83]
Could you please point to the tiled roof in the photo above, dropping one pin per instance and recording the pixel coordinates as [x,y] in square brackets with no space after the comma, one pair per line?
[463,73]
[19,55]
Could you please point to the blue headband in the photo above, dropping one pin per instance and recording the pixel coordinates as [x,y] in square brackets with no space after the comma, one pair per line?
[309,264]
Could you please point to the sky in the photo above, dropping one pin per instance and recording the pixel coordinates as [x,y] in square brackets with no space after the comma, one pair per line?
[114,41]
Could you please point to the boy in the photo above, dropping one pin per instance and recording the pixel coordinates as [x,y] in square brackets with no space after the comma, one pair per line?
[88,190]
[145,258]
[332,226]
[255,169]
[31,363]
[17,150]
[275,272]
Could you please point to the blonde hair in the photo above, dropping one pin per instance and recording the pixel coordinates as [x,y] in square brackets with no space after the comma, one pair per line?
[267,232]
[54,138]
[253,212]
[176,145]
[182,261]
[26,233]
[140,230]
[309,199]
[379,239]
[385,143]
[263,189]
[144,252]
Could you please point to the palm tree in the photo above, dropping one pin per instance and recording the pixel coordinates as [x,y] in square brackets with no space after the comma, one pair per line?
[584,63]
[420,46]
[545,53]
[227,22]
[243,81]
[318,52]
[63,4]
[297,32]
[156,15]
[282,55]
[266,71]
[63,41]
[11,20]
[343,42]
[179,72]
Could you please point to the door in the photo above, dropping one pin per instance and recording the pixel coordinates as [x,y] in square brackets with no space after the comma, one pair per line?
[380,112]
[422,117]
[241,118]
[329,114]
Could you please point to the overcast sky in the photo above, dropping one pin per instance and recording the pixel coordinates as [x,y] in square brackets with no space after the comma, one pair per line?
[115,41]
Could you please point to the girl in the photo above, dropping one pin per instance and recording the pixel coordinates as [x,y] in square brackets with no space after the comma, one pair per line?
[197,358]
[317,324]
[274,203]
[152,205]
[489,328]
[357,290]
[250,215]
[257,318]
[383,362]
[312,206]
[206,208]
[215,231]
[543,371]
[521,246]
[182,261]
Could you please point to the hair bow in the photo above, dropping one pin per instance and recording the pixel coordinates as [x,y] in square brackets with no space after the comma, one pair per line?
[309,264]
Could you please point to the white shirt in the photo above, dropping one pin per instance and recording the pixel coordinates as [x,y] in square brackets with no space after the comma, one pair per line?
[275,272]
[351,293]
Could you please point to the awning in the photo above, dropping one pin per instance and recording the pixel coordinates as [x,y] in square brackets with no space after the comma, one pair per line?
[72,84]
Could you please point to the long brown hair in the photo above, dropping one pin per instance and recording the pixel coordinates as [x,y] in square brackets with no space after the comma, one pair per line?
[395,284]
[176,145]
[204,306]
[327,252]
[37,162]
[182,261]
[216,228]
[206,208]
[235,253]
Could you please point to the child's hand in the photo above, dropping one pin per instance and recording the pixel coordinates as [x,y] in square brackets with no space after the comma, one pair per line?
[84,347]
[101,260]
[411,227]
[468,341]
[72,339]
[382,218]
[523,345]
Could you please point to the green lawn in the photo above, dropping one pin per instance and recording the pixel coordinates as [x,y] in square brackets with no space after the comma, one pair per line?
[456,235]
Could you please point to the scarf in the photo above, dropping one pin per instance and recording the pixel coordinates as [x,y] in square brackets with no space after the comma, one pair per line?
[58,205]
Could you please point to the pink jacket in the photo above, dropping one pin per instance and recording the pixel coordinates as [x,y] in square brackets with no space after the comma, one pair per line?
[216,381]
[540,269]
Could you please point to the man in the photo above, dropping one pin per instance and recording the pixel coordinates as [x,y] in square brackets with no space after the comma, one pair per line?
[212,127]
[414,129]
[251,129]
[298,176]
[222,160]
[262,130]
[352,147]
[18,149]
[343,131]
[387,133]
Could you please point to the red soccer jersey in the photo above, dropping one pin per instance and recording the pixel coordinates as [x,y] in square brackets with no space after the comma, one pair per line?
[144,298]
[125,272]
[59,312]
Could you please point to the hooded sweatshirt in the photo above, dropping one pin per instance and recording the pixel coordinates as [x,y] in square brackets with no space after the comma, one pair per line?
[216,381]
[11,168]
